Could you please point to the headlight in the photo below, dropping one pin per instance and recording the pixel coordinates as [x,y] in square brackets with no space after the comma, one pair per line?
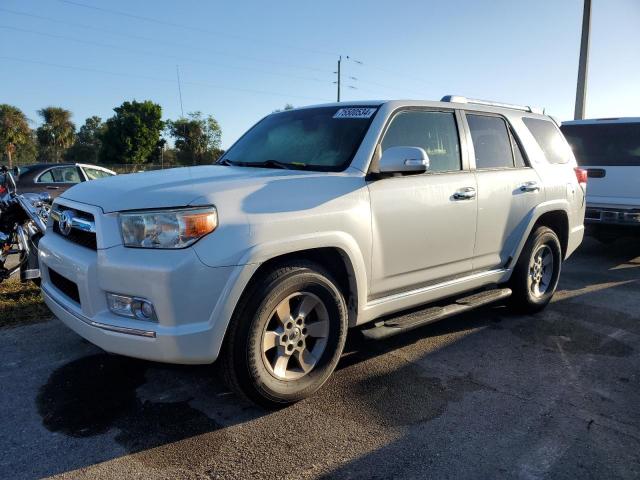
[176,228]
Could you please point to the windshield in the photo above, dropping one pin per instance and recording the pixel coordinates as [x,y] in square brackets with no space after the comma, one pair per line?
[605,144]
[323,138]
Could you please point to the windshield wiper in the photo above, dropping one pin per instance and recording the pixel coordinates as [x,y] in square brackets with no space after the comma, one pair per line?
[274,163]
[265,164]
[226,161]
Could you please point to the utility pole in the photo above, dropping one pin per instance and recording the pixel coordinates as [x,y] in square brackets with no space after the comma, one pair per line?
[338,81]
[338,72]
[179,90]
[581,88]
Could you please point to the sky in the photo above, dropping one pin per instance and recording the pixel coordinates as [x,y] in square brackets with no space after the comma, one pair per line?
[240,60]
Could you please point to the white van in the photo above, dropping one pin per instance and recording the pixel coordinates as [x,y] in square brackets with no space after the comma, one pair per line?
[609,148]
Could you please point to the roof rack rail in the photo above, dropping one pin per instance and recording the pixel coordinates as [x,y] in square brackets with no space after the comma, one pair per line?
[475,101]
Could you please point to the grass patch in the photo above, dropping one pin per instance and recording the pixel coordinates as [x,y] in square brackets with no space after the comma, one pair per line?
[21,304]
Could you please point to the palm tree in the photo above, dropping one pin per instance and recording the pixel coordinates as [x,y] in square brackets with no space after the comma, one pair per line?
[57,131]
[14,130]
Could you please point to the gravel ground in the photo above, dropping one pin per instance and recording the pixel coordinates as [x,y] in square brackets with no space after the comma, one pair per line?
[484,395]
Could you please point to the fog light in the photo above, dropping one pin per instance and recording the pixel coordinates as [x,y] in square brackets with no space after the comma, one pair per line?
[132,307]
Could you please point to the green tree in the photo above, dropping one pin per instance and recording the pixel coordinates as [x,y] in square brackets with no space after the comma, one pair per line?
[56,133]
[197,138]
[88,142]
[27,152]
[14,130]
[132,134]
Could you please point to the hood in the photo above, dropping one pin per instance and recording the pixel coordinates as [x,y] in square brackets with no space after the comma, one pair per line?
[174,187]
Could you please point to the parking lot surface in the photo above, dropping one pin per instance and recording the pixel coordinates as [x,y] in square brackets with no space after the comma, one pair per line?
[484,395]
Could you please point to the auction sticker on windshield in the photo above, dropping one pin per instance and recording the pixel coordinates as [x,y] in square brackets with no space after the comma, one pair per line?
[355,112]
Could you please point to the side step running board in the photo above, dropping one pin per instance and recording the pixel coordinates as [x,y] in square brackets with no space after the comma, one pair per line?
[409,321]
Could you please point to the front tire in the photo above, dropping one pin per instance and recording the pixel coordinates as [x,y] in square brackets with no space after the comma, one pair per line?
[536,275]
[286,336]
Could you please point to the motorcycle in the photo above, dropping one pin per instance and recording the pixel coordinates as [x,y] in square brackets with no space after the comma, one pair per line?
[23,221]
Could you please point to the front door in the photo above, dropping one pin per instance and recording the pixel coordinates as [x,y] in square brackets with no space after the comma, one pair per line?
[423,225]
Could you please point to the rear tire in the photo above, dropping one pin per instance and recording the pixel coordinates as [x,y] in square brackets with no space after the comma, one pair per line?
[286,335]
[536,274]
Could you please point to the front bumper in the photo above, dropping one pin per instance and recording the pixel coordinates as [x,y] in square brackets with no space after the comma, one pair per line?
[186,295]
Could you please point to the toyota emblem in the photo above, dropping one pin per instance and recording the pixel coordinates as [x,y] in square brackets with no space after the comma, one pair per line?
[65,222]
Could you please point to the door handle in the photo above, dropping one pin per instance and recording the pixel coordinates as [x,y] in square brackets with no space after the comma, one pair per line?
[52,188]
[466,193]
[530,187]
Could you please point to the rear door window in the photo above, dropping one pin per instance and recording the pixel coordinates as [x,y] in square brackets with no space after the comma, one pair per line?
[604,144]
[491,141]
[549,139]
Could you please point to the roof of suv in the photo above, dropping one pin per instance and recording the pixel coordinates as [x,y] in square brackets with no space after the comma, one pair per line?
[448,101]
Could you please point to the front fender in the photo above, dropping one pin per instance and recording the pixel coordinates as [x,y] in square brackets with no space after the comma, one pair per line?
[258,254]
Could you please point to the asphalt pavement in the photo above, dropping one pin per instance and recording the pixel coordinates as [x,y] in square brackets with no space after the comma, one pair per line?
[485,395]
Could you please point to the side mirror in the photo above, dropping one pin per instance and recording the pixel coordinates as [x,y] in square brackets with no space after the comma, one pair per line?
[404,160]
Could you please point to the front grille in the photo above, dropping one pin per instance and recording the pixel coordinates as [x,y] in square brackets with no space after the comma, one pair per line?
[81,237]
[66,286]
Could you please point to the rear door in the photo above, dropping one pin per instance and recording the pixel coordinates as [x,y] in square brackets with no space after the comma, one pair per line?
[58,179]
[508,189]
[610,151]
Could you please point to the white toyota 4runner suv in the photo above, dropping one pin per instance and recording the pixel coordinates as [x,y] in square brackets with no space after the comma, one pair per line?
[317,220]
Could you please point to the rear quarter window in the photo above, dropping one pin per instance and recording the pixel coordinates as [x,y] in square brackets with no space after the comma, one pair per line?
[549,139]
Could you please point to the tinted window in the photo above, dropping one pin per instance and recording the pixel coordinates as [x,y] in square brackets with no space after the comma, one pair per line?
[25,169]
[549,139]
[605,144]
[94,173]
[324,138]
[436,132]
[491,141]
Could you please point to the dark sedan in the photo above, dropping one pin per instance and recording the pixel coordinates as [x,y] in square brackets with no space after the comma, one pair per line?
[55,178]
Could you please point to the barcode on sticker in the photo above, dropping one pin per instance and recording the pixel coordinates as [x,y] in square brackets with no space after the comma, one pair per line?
[355,112]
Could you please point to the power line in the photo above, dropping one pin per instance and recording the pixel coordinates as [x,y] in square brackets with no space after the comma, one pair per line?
[191,27]
[155,54]
[159,41]
[156,79]
[208,50]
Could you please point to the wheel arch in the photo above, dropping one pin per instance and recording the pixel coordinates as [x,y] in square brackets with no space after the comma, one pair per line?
[334,259]
[337,253]
[554,215]
[558,221]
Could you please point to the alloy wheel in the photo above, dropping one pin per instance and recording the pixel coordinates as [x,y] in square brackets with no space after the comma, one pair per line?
[541,271]
[295,336]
